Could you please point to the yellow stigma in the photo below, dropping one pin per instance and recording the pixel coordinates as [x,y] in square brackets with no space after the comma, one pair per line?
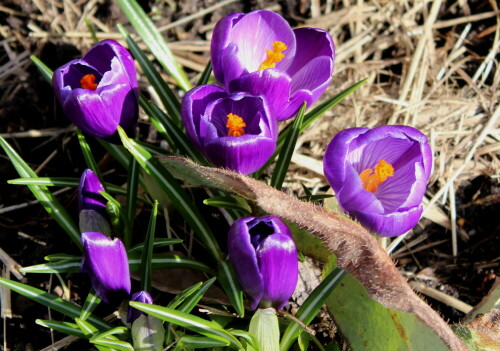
[273,56]
[235,125]
[371,180]
[88,82]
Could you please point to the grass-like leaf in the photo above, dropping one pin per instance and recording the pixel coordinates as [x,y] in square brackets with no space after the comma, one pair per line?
[200,342]
[229,202]
[147,252]
[158,261]
[175,192]
[180,298]
[154,40]
[51,301]
[205,75]
[194,323]
[289,146]
[132,186]
[62,327]
[42,194]
[44,70]
[112,344]
[166,95]
[311,307]
[87,328]
[91,302]
[157,242]
[87,154]
[229,282]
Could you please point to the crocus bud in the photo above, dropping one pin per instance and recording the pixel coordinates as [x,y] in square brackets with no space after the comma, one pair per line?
[380,175]
[92,205]
[140,296]
[105,260]
[99,91]
[259,53]
[148,334]
[264,257]
[235,131]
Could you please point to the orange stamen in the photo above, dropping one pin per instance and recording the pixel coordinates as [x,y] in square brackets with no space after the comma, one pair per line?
[235,125]
[371,180]
[88,82]
[273,56]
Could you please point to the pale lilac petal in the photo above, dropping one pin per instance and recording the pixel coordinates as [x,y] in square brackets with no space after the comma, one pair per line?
[311,77]
[391,224]
[105,260]
[256,32]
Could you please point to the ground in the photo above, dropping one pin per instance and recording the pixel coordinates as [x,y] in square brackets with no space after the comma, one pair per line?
[431,65]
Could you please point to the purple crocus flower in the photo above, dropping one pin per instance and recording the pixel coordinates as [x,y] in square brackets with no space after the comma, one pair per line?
[234,131]
[259,53]
[106,262]
[380,175]
[264,257]
[99,91]
[140,296]
[92,205]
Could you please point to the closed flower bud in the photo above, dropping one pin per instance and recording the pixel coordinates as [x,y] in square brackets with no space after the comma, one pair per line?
[99,91]
[140,296]
[105,260]
[380,175]
[92,205]
[264,257]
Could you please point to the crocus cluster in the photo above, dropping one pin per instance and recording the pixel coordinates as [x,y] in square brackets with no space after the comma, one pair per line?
[264,256]
[99,91]
[380,175]
[266,71]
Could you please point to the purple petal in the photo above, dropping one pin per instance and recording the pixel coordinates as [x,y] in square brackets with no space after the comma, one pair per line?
[219,46]
[245,154]
[105,260]
[244,260]
[274,84]
[193,107]
[140,296]
[335,157]
[391,224]
[277,257]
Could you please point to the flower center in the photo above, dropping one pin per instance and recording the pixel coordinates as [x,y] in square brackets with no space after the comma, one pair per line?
[235,125]
[273,56]
[88,82]
[371,180]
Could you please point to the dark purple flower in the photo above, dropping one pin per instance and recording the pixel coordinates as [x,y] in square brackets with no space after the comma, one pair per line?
[92,205]
[264,256]
[99,91]
[106,262]
[234,131]
[259,53]
[140,296]
[380,175]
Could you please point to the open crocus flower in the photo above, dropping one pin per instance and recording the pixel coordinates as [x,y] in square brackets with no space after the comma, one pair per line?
[234,131]
[264,257]
[92,205]
[105,260]
[259,53]
[140,296]
[99,91]
[380,175]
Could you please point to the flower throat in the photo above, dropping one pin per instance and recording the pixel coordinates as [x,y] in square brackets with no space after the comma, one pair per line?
[273,56]
[88,82]
[372,179]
